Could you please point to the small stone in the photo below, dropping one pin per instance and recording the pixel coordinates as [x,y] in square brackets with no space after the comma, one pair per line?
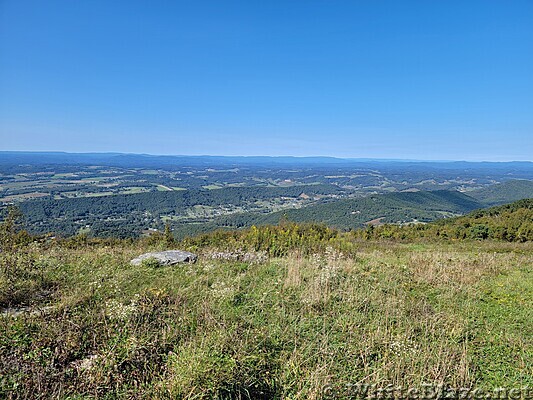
[86,364]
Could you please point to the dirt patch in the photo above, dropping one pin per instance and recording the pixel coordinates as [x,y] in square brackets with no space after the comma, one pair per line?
[375,222]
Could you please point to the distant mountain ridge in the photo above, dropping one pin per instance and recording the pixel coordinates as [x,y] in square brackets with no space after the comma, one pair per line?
[148,160]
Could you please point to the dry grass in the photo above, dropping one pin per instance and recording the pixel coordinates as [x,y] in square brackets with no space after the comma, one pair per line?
[285,327]
[457,268]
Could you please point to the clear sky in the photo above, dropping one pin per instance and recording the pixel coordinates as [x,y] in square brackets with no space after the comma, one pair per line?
[439,79]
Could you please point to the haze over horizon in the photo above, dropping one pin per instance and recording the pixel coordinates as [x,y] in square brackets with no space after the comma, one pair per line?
[257,156]
[390,80]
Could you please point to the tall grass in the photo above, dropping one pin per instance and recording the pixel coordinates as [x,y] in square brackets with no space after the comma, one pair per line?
[251,326]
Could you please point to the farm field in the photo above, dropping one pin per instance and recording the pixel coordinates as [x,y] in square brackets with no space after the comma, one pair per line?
[131,195]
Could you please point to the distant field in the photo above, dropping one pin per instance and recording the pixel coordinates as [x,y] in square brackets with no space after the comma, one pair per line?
[58,174]
[194,211]
[22,197]
[237,193]
[134,189]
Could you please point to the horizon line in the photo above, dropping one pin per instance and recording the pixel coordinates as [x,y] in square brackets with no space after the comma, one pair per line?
[376,159]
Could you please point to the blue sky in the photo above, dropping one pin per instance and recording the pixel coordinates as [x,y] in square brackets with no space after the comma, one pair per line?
[424,79]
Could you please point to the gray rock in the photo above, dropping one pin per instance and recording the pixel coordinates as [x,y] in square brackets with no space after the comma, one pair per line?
[169,257]
[32,311]
[87,363]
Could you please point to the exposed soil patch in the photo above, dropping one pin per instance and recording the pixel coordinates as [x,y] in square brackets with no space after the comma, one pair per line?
[375,222]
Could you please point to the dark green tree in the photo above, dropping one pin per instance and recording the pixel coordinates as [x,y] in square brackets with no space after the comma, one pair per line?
[11,232]
[168,235]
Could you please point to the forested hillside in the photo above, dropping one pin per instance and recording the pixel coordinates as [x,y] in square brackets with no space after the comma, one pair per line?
[129,215]
[388,208]
[510,222]
[398,208]
[188,212]
[505,192]
[195,211]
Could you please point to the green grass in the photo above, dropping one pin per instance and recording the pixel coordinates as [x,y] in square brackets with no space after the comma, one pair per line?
[242,324]
[505,310]
[133,189]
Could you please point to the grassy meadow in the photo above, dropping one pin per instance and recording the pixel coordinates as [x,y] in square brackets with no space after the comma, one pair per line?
[80,322]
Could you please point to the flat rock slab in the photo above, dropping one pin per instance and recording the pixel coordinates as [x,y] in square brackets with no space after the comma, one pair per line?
[169,257]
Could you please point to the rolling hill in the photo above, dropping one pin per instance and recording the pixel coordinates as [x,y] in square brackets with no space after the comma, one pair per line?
[191,212]
[510,222]
[505,192]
